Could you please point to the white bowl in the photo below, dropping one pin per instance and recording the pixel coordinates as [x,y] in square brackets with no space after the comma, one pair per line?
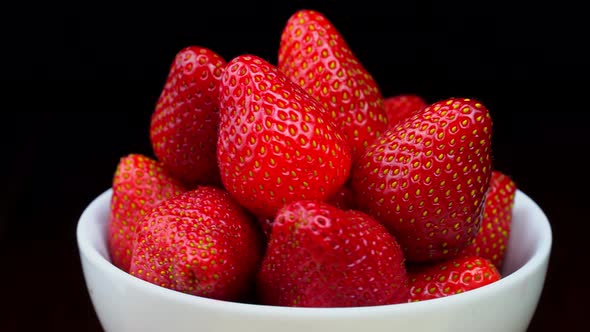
[125,303]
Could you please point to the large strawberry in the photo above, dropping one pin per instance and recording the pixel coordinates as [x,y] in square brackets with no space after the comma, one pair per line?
[400,106]
[139,184]
[426,178]
[200,242]
[314,54]
[450,277]
[276,143]
[321,256]
[184,124]
[492,239]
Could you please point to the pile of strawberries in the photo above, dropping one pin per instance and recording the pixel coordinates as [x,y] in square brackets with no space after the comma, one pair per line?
[299,184]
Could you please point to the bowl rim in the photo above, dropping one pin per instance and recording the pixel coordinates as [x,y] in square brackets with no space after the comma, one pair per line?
[94,257]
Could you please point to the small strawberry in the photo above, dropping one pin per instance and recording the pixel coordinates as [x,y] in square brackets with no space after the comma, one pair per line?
[492,239]
[321,256]
[426,178]
[201,243]
[184,124]
[139,184]
[276,143]
[451,277]
[315,55]
[401,106]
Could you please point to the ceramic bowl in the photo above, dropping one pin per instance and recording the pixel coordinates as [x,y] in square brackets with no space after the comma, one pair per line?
[124,303]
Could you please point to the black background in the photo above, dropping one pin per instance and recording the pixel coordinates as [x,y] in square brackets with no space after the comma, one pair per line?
[79,82]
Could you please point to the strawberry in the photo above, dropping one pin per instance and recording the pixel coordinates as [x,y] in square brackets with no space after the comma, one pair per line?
[315,55]
[426,178]
[342,199]
[492,238]
[139,184]
[184,124]
[276,143]
[446,278]
[200,242]
[321,256]
[401,106]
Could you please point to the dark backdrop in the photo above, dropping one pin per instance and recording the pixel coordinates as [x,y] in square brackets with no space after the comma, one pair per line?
[79,82]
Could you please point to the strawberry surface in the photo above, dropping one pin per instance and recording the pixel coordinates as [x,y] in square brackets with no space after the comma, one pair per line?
[492,238]
[446,278]
[315,55]
[139,184]
[321,256]
[184,124]
[201,243]
[276,143]
[400,106]
[342,199]
[426,178]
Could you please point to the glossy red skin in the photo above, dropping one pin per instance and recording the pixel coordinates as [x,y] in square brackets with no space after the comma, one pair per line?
[315,55]
[342,199]
[321,256]
[426,178]
[492,238]
[184,124]
[399,107]
[276,143]
[451,277]
[201,243]
[139,184]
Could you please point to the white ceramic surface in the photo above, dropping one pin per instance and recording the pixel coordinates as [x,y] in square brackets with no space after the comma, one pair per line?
[124,303]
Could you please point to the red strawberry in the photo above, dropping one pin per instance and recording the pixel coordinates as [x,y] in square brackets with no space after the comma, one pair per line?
[401,106]
[200,242]
[139,184]
[426,178]
[321,256]
[492,239]
[184,125]
[315,55]
[446,278]
[276,143]
[342,199]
